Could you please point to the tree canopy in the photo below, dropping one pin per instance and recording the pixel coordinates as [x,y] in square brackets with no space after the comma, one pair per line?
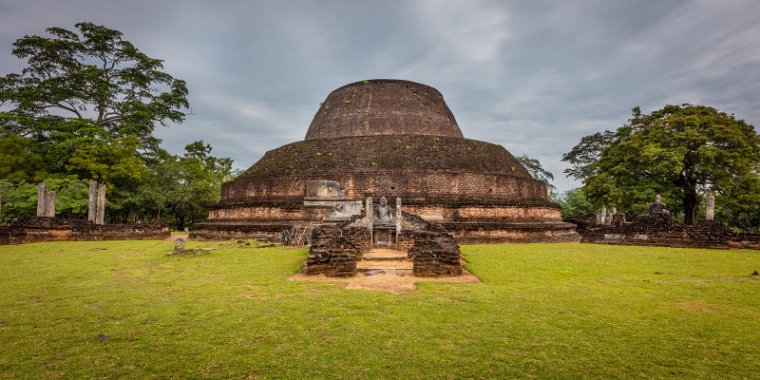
[86,106]
[89,82]
[680,152]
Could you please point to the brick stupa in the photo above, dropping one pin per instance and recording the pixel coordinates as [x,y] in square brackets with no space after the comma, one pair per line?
[394,139]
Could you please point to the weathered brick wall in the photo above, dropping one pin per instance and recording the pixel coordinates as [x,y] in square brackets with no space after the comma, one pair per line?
[435,254]
[383,107]
[648,233]
[453,211]
[436,213]
[223,231]
[282,171]
[408,185]
[332,253]
[486,233]
[310,214]
[58,229]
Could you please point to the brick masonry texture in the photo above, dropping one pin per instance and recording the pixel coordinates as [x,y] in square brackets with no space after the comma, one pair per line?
[393,139]
[383,107]
[33,230]
[333,252]
[648,232]
[435,254]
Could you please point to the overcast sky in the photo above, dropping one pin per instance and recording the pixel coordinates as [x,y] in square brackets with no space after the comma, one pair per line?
[533,76]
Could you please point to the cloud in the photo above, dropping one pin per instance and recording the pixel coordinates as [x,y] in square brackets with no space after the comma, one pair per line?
[533,76]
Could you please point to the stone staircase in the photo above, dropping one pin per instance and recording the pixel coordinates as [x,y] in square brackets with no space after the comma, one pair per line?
[384,262]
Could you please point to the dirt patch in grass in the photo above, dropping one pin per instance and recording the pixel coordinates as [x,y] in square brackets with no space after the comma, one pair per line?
[388,282]
[699,307]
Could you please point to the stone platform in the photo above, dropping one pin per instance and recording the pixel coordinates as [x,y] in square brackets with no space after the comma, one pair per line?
[380,261]
[385,270]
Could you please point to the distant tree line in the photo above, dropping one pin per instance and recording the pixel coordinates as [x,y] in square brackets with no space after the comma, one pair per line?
[86,107]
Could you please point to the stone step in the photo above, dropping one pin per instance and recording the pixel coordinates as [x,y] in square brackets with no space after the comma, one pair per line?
[397,258]
[385,271]
[384,255]
[387,264]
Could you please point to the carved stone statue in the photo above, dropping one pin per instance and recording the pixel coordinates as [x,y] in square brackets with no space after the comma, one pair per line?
[383,213]
[337,210]
[658,207]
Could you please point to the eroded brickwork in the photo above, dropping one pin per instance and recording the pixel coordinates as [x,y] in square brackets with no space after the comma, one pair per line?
[33,230]
[393,139]
[383,107]
[435,254]
[332,253]
[648,233]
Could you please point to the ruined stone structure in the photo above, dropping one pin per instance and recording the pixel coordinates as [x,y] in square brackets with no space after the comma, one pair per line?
[656,231]
[394,139]
[39,229]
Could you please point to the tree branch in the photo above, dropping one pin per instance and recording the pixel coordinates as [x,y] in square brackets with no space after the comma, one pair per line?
[71,108]
[109,120]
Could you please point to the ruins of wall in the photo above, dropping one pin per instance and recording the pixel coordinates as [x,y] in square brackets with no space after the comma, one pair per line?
[332,253]
[647,233]
[435,254]
[33,230]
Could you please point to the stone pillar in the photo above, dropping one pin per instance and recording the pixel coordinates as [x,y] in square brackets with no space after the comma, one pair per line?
[370,219]
[611,217]
[41,199]
[398,221]
[710,207]
[601,217]
[92,201]
[50,204]
[100,210]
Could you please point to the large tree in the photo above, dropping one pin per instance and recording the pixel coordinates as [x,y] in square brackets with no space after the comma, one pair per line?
[85,107]
[678,151]
[86,94]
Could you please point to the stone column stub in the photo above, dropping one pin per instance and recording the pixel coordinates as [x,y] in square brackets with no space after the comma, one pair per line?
[92,200]
[41,201]
[101,204]
[370,219]
[398,221]
[710,214]
[50,204]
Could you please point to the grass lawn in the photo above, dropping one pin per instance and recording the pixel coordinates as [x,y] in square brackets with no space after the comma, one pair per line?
[541,311]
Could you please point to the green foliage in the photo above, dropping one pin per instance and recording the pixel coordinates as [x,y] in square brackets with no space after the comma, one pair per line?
[565,311]
[574,203]
[20,199]
[584,156]
[85,107]
[192,182]
[91,75]
[18,160]
[680,152]
[16,200]
[537,171]
[86,103]
[740,205]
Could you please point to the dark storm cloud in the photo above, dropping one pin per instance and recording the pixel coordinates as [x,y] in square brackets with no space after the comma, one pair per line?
[533,76]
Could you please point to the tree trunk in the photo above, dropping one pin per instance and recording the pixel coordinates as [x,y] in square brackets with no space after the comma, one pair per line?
[690,206]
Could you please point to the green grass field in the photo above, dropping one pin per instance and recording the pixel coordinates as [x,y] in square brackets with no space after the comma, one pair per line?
[541,311]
